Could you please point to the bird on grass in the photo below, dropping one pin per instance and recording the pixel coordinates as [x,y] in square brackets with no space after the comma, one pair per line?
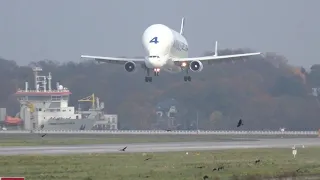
[218,169]
[205,177]
[200,167]
[148,158]
[214,169]
[257,161]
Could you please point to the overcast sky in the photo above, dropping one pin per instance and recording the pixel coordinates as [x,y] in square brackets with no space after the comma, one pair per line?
[62,30]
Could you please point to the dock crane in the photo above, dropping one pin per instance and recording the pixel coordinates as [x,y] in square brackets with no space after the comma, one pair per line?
[91,99]
[95,102]
[30,106]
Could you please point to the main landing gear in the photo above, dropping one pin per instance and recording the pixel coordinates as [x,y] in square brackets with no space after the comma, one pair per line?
[187,77]
[148,78]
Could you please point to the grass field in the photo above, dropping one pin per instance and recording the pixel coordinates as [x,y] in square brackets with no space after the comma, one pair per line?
[238,164]
[56,139]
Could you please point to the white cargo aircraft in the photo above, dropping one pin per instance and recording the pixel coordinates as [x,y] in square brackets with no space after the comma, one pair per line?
[167,50]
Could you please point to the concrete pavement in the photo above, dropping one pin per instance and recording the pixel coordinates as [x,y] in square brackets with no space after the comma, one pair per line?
[159,147]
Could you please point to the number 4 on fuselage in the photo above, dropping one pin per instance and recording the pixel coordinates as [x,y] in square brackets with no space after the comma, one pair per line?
[154,40]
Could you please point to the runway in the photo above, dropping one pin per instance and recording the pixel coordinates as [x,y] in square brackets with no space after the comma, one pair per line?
[159,147]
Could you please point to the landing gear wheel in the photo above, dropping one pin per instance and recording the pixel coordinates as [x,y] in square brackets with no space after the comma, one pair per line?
[156,73]
[148,79]
[187,78]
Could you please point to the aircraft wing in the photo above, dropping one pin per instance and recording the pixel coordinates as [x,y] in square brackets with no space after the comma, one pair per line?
[215,58]
[114,60]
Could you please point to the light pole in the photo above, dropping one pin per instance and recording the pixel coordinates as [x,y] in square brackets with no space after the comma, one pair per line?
[197,122]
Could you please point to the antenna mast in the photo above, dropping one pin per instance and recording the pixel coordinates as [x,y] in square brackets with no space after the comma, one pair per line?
[49,81]
[39,81]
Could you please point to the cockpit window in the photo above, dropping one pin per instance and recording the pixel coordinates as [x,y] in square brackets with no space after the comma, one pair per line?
[154,57]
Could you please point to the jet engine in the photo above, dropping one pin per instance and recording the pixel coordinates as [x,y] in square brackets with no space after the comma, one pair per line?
[130,66]
[196,66]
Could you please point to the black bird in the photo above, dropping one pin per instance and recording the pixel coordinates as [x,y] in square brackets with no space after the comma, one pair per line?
[168,130]
[300,170]
[124,148]
[220,168]
[240,123]
[214,169]
[82,127]
[205,177]
[257,161]
[148,158]
[43,135]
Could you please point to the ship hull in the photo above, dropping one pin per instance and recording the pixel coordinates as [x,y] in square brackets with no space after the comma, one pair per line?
[69,124]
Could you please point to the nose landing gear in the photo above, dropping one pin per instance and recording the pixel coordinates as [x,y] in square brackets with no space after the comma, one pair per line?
[156,71]
[148,78]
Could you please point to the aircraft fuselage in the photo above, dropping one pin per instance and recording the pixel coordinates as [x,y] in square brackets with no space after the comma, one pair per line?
[161,44]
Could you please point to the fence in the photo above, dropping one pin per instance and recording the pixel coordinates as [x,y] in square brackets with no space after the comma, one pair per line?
[161,132]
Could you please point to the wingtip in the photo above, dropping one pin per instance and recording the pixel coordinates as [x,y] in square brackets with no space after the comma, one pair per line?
[84,56]
[262,54]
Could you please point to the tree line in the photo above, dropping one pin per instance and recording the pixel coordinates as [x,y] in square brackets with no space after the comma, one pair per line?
[265,91]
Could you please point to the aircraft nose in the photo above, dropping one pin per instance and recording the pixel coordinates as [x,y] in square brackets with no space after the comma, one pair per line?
[156,61]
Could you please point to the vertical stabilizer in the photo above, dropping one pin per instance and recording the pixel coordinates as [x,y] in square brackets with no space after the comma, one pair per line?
[182,26]
[216,49]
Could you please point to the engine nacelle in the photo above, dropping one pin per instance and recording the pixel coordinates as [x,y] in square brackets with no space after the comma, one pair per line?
[130,66]
[196,66]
